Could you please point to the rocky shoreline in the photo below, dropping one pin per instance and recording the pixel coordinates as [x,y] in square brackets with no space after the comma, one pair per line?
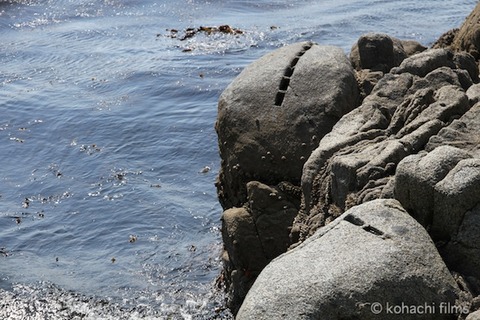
[351,185]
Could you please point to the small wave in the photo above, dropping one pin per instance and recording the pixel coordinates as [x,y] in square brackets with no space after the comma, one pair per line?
[48,301]
[43,21]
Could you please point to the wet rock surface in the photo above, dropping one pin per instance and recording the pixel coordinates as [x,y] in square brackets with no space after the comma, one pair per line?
[407,133]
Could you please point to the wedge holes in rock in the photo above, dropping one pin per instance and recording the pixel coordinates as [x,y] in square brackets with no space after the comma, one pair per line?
[288,73]
[354,220]
[373,230]
[359,222]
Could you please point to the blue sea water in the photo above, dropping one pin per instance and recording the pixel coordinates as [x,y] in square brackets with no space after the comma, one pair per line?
[108,153]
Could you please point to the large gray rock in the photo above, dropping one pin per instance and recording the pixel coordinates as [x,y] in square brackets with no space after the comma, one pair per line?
[454,195]
[374,256]
[474,316]
[270,118]
[374,54]
[473,94]
[423,63]
[275,112]
[462,253]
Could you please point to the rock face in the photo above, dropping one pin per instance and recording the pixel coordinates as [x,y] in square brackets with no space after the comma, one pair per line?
[375,54]
[474,316]
[276,111]
[269,120]
[462,132]
[373,256]
[356,161]
[441,189]
[417,175]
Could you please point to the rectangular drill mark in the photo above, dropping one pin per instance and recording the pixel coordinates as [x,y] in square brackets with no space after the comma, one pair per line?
[373,230]
[307,46]
[354,220]
[288,71]
[287,75]
[279,98]
[284,83]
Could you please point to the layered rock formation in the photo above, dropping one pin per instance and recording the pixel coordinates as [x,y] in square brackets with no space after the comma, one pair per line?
[311,141]
[357,160]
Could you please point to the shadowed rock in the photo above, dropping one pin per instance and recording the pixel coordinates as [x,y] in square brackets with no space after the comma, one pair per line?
[375,54]
[255,234]
[378,52]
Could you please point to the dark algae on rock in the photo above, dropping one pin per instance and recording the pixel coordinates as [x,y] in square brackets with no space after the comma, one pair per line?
[351,186]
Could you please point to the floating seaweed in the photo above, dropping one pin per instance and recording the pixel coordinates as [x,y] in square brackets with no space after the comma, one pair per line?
[191,32]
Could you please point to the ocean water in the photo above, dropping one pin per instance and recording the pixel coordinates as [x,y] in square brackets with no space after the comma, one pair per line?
[108,153]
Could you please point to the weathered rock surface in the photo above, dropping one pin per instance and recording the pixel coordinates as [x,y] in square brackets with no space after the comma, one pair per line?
[473,94]
[373,253]
[462,133]
[417,175]
[474,316]
[356,161]
[378,52]
[276,111]
[446,39]
[441,189]
[462,252]
[454,195]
